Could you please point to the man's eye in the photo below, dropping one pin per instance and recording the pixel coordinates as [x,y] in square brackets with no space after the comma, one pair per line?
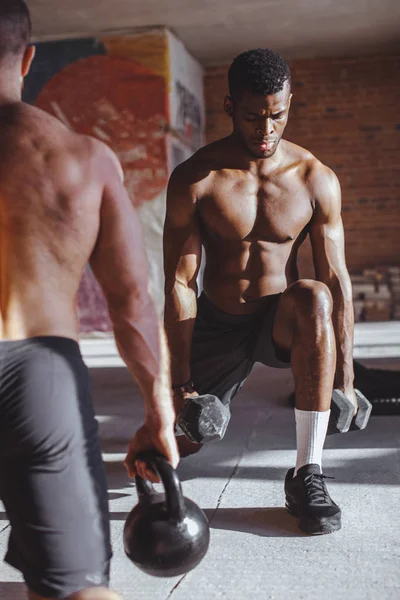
[251,119]
[277,117]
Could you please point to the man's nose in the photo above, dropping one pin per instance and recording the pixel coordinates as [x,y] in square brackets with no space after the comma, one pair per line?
[265,127]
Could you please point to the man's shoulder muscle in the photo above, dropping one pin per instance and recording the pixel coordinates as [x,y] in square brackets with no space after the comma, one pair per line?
[296,155]
[324,189]
[107,167]
[197,170]
[187,184]
[322,180]
[84,148]
[316,174]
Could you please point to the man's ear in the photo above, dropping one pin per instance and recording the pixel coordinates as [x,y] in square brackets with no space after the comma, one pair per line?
[228,106]
[27,59]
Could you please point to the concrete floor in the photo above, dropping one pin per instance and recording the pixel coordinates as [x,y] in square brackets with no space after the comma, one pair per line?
[256,548]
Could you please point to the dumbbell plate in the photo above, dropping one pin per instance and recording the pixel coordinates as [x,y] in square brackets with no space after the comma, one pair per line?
[204,419]
[360,420]
[342,412]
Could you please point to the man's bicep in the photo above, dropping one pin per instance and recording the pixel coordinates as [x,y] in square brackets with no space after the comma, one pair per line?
[182,254]
[327,243]
[182,240]
[118,259]
[326,229]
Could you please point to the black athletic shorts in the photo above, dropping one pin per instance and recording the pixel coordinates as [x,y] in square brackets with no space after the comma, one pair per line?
[52,478]
[225,347]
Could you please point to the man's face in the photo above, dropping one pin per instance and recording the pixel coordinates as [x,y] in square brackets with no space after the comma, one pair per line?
[259,121]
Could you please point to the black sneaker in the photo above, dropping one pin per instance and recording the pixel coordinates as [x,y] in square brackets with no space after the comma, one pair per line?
[308,499]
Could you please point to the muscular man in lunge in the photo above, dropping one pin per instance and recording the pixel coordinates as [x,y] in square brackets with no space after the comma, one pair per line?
[251,199]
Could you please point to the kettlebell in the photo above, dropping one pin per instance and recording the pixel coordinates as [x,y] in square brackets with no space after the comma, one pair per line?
[165,534]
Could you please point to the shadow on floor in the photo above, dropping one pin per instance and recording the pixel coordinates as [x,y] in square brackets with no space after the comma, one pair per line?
[117,476]
[379,470]
[382,433]
[263,522]
[118,401]
[119,516]
[117,495]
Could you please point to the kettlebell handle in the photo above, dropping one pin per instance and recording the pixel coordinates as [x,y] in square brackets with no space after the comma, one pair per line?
[170,480]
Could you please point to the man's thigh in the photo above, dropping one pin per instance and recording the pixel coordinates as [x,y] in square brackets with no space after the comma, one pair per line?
[296,305]
[270,350]
[222,348]
[52,480]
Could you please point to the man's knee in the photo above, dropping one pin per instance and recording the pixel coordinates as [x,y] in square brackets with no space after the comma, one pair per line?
[312,300]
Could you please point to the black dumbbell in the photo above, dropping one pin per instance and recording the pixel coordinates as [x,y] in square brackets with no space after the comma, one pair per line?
[342,418]
[204,419]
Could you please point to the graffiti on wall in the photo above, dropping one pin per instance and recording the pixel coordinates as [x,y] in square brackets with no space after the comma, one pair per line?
[124,107]
[188,120]
[52,57]
[118,89]
[122,103]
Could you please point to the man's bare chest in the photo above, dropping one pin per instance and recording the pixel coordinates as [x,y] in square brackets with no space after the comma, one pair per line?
[271,211]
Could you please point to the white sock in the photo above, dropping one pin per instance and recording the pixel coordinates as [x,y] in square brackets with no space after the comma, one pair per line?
[311,427]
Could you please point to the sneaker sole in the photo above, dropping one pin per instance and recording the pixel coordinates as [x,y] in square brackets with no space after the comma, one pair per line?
[316,526]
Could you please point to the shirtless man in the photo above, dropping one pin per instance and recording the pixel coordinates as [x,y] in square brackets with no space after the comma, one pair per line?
[62,203]
[251,199]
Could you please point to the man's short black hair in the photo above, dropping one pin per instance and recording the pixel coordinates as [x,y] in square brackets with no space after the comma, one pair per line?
[15,27]
[259,71]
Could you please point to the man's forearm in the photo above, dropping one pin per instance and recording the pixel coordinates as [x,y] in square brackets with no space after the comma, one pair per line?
[142,345]
[180,316]
[343,324]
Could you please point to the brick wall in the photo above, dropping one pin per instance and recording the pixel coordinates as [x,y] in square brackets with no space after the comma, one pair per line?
[345,111]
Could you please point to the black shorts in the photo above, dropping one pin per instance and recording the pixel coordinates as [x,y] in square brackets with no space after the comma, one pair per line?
[52,478]
[225,347]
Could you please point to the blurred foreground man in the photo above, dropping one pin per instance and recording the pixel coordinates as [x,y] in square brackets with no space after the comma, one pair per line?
[62,203]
